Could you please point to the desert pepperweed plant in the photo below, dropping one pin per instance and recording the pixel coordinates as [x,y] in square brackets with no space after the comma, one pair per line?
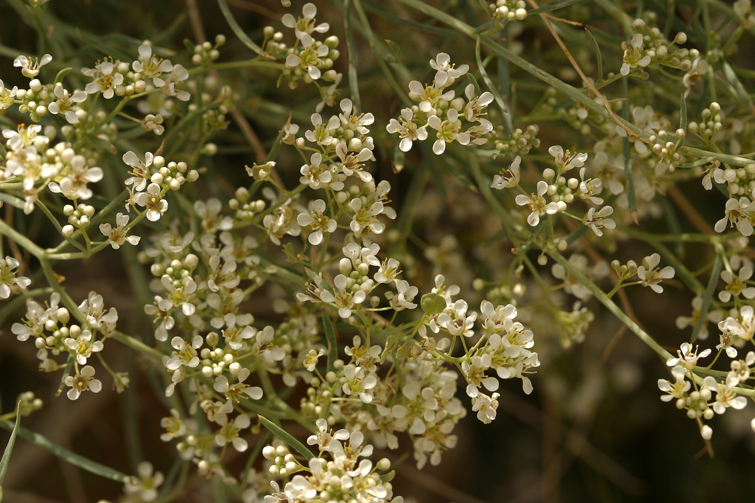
[309,244]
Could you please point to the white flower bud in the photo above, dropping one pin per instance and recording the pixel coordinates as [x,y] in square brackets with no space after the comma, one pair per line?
[67,231]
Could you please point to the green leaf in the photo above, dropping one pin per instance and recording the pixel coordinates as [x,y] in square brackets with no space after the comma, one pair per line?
[61,75]
[352,61]
[330,335]
[286,437]
[598,55]
[395,49]
[405,351]
[71,457]
[387,477]
[551,8]
[489,83]
[8,449]
[631,198]
[709,291]
[239,32]
[432,303]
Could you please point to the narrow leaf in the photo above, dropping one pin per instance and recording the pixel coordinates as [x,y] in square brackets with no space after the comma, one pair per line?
[551,8]
[709,291]
[631,198]
[8,449]
[330,335]
[351,45]
[489,83]
[69,456]
[239,32]
[61,75]
[286,437]
[598,56]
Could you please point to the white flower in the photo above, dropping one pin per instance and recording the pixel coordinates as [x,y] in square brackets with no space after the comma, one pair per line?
[180,293]
[30,67]
[177,77]
[736,285]
[153,123]
[106,79]
[678,388]
[306,23]
[353,121]
[82,382]
[737,215]
[725,395]
[117,236]
[407,130]
[687,356]
[140,169]
[743,327]
[150,66]
[309,58]
[509,177]
[153,200]
[185,352]
[430,96]
[442,63]
[365,219]
[358,382]
[473,110]
[65,102]
[322,131]
[83,346]
[485,406]
[566,161]
[743,9]
[7,96]
[634,55]
[8,277]
[651,276]
[596,220]
[317,220]
[537,204]
[325,439]
[448,130]
[345,299]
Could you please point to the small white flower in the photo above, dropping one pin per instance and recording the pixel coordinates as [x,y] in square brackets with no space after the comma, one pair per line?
[407,130]
[82,382]
[566,161]
[737,285]
[651,276]
[737,215]
[448,130]
[309,57]
[7,96]
[687,356]
[596,220]
[8,277]
[509,177]
[153,200]
[634,55]
[538,205]
[306,23]
[30,67]
[150,66]
[317,221]
[106,79]
[117,236]
[678,388]
[65,103]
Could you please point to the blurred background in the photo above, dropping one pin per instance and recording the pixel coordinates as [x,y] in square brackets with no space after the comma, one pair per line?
[594,429]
